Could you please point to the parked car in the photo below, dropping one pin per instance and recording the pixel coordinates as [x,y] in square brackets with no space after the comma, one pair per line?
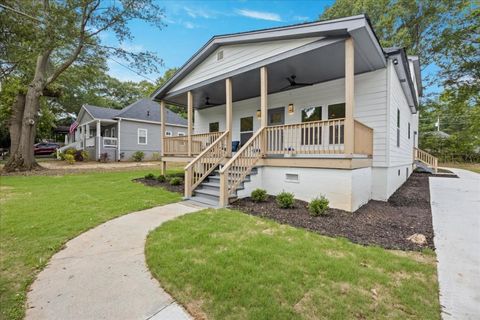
[45,148]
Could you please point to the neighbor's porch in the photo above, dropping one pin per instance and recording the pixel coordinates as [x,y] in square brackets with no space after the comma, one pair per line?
[99,137]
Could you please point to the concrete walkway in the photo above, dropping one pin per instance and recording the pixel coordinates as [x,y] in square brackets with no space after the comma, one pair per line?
[456,222]
[102,274]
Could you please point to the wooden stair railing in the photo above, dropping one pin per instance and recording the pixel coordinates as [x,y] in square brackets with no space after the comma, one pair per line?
[197,170]
[426,158]
[240,165]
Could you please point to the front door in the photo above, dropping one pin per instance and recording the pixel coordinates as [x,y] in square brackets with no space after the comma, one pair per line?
[275,138]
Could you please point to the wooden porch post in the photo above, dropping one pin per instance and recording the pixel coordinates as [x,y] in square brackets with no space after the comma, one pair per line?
[99,139]
[263,106]
[349,136]
[119,151]
[162,135]
[228,112]
[190,124]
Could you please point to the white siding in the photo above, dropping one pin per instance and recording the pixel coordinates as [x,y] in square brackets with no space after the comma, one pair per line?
[237,56]
[402,155]
[370,107]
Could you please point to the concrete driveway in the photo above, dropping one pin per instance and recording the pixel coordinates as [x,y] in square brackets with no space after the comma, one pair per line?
[456,223]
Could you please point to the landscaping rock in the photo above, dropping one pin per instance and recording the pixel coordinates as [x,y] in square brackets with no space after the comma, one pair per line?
[418,238]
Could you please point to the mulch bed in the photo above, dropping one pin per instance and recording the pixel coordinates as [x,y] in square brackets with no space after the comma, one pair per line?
[385,224]
[166,185]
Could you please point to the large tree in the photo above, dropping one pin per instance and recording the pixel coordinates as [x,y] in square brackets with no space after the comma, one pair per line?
[40,40]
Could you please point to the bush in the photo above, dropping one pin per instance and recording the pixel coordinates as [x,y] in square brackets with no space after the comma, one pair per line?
[81,155]
[71,151]
[138,156]
[69,158]
[259,195]
[285,200]
[318,206]
[161,178]
[175,181]
[62,156]
[150,176]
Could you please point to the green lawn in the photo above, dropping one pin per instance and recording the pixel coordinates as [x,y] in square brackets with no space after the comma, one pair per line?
[40,213]
[228,265]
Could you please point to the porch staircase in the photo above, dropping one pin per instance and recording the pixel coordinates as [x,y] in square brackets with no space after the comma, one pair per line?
[208,191]
[425,161]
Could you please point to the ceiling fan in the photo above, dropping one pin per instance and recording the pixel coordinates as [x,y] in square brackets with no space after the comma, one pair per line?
[294,84]
[207,102]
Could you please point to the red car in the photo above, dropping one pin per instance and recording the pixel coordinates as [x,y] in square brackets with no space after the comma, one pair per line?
[45,148]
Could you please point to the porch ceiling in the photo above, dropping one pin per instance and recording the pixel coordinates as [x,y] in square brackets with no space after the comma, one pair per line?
[321,63]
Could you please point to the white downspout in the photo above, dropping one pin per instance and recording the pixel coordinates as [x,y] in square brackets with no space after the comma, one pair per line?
[99,128]
[118,139]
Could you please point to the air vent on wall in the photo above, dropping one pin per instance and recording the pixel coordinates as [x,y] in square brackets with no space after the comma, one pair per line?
[219,55]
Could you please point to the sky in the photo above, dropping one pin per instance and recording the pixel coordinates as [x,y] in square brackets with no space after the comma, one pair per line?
[190,24]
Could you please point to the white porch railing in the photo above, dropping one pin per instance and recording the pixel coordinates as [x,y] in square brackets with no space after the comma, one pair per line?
[90,142]
[109,142]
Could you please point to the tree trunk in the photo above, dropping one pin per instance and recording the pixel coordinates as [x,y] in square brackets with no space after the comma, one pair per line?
[15,125]
[22,159]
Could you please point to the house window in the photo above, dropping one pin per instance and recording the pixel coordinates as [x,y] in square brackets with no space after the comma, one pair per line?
[106,133]
[181,134]
[409,130]
[313,135]
[336,132]
[168,133]
[398,127]
[219,55]
[246,129]
[112,133]
[213,127]
[142,136]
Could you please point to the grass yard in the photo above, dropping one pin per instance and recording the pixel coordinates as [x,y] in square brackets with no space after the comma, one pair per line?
[223,264]
[40,213]
[475,167]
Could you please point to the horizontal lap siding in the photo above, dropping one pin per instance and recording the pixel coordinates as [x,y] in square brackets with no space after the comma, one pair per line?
[370,107]
[238,56]
[402,155]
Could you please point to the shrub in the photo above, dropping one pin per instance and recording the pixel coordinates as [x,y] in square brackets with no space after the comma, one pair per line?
[259,195]
[85,155]
[150,176]
[318,206]
[69,158]
[62,156]
[81,155]
[71,151]
[175,181]
[161,178]
[138,156]
[285,200]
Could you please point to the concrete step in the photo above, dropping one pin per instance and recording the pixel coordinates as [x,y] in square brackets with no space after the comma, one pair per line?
[205,201]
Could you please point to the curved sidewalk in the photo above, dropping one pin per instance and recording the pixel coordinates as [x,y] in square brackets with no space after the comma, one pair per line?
[456,223]
[102,274]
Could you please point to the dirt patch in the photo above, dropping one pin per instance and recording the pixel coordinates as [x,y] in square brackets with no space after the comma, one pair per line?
[166,185]
[386,224]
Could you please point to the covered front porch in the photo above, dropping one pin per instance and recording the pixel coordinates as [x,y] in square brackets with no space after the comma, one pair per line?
[266,127]
[99,137]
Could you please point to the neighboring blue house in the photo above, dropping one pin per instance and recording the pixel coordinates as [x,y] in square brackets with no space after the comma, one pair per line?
[120,133]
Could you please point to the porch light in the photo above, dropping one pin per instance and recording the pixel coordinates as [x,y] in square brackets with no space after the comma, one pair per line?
[291,109]
[259,114]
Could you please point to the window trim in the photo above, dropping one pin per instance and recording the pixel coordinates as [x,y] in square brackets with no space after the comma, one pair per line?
[138,136]
[112,132]
[398,128]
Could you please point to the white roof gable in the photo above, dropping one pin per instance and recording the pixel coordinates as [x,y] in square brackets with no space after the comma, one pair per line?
[236,56]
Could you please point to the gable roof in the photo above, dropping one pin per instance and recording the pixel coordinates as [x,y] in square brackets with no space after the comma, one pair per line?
[101,113]
[356,26]
[141,110]
[148,110]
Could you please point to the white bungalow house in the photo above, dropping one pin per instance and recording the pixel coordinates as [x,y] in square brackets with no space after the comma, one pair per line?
[314,109]
[120,133]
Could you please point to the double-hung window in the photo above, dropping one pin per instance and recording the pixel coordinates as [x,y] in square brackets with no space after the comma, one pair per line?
[398,127]
[142,136]
[337,131]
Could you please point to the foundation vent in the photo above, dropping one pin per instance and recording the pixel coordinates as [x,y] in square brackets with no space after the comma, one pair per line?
[291,177]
